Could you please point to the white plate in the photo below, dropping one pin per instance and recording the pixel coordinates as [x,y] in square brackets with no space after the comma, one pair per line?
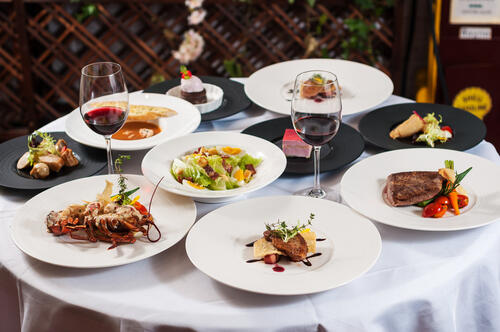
[216,245]
[185,122]
[362,86]
[158,162]
[29,232]
[362,185]
[214,97]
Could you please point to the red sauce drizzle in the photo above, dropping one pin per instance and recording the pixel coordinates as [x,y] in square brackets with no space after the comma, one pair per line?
[278,268]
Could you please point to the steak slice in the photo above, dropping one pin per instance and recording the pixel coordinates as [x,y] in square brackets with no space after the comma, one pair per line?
[295,248]
[408,188]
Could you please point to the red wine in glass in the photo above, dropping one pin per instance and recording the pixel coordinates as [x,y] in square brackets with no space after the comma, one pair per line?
[104,101]
[105,120]
[316,112]
[317,129]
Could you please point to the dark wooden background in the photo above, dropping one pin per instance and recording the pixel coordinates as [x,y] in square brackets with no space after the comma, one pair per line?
[43,45]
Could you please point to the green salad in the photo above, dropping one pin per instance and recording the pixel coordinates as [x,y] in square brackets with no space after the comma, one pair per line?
[433,132]
[215,168]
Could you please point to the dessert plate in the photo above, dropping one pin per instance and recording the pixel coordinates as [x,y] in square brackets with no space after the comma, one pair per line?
[468,130]
[29,233]
[91,161]
[344,148]
[362,87]
[234,100]
[184,122]
[362,185]
[158,162]
[216,245]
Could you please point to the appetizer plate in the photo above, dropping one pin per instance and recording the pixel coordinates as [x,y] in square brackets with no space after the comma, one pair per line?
[186,121]
[345,147]
[234,100]
[216,245]
[362,185]
[29,232]
[158,162]
[90,160]
[214,97]
[362,86]
[468,130]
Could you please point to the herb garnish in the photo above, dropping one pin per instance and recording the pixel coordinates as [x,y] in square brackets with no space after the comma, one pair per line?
[46,146]
[123,196]
[281,229]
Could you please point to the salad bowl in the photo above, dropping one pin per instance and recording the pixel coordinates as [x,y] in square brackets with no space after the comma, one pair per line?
[232,164]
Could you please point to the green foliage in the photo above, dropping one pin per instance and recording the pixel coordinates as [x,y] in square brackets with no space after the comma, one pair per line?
[86,10]
[309,2]
[233,67]
[359,39]
[282,230]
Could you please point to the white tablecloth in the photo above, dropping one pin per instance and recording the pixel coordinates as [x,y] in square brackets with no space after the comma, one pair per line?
[423,281]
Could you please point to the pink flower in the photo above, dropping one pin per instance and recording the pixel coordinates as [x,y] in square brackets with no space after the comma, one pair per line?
[193,4]
[197,16]
[191,47]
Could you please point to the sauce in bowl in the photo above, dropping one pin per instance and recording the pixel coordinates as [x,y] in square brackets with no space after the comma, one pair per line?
[134,130]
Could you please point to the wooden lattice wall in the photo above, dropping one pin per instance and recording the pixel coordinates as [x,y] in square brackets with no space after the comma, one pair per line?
[43,46]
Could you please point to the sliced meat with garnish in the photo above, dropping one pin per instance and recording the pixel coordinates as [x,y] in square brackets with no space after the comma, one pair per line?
[295,248]
[408,188]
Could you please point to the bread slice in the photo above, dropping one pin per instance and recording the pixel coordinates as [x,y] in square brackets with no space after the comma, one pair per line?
[140,112]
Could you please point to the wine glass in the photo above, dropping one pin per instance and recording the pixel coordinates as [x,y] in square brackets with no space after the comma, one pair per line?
[104,101]
[316,115]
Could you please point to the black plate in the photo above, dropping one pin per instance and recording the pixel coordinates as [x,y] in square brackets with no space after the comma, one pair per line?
[92,160]
[344,148]
[235,100]
[468,130]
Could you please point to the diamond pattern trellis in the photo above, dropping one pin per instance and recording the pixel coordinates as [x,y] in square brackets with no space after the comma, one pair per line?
[141,35]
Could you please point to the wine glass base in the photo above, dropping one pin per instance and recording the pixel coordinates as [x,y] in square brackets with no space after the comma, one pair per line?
[311,192]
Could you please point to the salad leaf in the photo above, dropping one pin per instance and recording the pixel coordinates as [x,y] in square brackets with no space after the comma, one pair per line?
[281,229]
[46,146]
[432,132]
[248,159]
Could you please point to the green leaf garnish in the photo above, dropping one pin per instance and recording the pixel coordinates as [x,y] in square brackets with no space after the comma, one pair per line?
[281,229]
[46,146]
[449,164]
[123,196]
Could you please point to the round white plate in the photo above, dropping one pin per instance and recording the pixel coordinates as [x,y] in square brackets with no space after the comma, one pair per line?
[362,185]
[29,232]
[158,162]
[215,95]
[186,121]
[216,245]
[362,86]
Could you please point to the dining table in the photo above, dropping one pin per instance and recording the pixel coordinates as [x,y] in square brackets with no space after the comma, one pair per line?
[422,281]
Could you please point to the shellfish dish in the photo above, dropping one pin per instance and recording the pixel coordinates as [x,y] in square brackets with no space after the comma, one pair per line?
[117,219]
[45,155]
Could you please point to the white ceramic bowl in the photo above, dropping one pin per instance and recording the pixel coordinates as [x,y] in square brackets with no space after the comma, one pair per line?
[158,162]
[214,97]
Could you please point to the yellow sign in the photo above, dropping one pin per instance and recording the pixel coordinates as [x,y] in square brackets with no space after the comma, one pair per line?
[474,100]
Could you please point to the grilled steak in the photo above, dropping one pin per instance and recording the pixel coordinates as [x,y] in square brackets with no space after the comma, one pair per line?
[407,188]
[295,248]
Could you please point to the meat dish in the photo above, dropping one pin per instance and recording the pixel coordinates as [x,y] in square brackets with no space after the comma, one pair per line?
[436,192]
[45,155]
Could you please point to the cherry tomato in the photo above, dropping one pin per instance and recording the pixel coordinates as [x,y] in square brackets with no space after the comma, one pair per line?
[447,128]
[431,209]
[463,201]
[443,200]
[441,213]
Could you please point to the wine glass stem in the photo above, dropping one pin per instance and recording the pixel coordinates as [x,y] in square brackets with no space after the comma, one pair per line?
[316,187]
[109,154]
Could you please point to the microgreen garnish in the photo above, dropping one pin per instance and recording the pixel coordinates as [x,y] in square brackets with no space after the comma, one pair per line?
[123,196]
[46,146]
[317,78]
[281,229]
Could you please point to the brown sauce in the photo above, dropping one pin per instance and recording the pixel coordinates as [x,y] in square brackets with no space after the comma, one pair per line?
[131,130]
